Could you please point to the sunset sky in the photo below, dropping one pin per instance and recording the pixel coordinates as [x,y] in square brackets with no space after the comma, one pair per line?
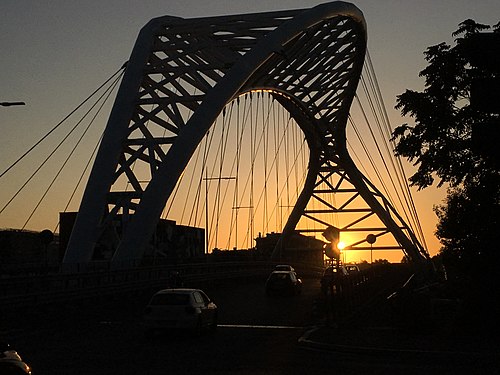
[55,53]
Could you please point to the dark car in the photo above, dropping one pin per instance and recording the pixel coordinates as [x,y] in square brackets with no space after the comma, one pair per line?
[11,362]
[352,269]
[283,283]
[332,278]
[284,267]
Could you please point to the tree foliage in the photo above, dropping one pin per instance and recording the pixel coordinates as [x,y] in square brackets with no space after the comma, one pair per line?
[439,145]
[468,226]
[439,141]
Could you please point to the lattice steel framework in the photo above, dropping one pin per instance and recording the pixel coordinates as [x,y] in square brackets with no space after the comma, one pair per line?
[181,74]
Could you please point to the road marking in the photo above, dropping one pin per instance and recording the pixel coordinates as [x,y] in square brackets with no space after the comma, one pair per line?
[111,323]
[256,326]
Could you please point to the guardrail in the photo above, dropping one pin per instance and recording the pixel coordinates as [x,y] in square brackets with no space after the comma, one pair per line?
[352,295]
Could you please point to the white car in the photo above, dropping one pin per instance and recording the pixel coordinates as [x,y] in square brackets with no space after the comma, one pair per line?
[180,308]
[283,283]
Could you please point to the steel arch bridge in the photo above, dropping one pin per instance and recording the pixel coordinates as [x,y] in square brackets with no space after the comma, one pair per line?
[180,76]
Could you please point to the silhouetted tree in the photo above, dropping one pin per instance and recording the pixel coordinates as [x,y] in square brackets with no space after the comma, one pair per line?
[439,145]
[439,142]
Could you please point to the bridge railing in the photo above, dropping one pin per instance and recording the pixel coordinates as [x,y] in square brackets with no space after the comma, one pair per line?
[99,281]
[356,293]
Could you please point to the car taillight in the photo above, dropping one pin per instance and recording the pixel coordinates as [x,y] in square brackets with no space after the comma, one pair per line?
[190,309]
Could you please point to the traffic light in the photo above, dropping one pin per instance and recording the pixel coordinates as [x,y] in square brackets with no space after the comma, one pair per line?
[332,251]
[332,234]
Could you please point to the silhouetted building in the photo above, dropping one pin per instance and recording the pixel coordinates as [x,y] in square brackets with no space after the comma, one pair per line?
[170,241]
[24,247]
[298,248]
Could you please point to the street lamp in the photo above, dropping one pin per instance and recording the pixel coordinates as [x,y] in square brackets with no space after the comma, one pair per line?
[10,104]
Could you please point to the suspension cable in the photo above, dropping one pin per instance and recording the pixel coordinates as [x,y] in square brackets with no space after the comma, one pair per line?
[80,179]
[384,137]
[63,120]
[110,91]
[59,144]
[398,158]
[402,179]
[376,103]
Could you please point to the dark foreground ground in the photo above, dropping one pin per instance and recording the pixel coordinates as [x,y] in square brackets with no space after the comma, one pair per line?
[257,335]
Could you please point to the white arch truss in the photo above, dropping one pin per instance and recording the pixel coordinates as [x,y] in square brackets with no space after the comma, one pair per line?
[180,76]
